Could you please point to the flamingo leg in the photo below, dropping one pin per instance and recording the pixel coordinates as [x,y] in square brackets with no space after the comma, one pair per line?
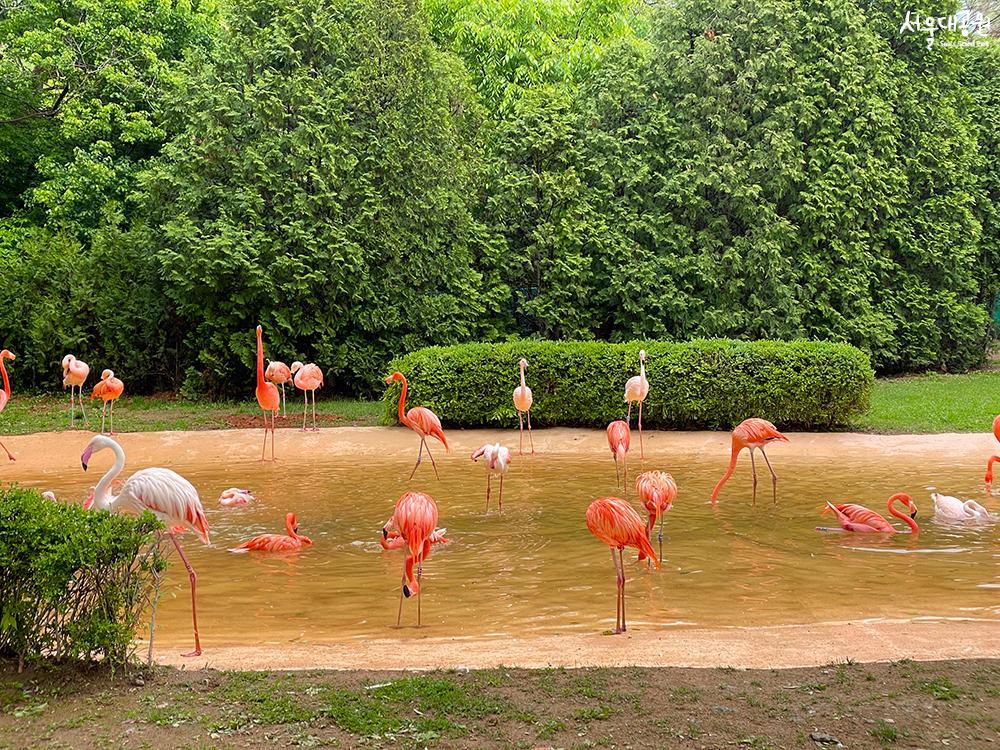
[111,429]
[753,468]
[72,410]
[774,477]
[520,428]
[628,417]
[621,568]
[104,412]
[531,442]
[661,538]
[642,453]
[428,449]
[263,448]
[489,481]
[402,587]
[315,428]
[625,475]
[10,455]
[274,414]
[420,570]
[305,408]
[618,598]
[284,411]
[194,609]
[420,456]
[618,476]
[79,398]
[501,494]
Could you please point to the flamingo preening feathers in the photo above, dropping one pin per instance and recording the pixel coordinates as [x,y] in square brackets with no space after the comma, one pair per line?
[860,519]
[307,378]
[75,372]
[279,374]
[108,390]
[497,461]
[289,542]
[236,496]
[948,508]
[421,420]
[754,434]
[5,393]
[522,403]
[657,491]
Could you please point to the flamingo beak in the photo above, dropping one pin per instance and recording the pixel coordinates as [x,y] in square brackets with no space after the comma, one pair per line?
[388,380]
[913,511]
[85,458]
[385,534]
[406,591]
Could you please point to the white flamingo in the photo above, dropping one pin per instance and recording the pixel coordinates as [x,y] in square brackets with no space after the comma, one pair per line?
[497,462]
[952,509]
[236,496]
[636,390]
[165,493]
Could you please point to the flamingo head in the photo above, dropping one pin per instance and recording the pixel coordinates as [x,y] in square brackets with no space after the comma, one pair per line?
[67,360]
[396,376]
[260,330]
[107,374]
[97,443]
[642,355]
[523,363]
[291,525]
[389,525]
[8,354]
[910,506]
[296,366]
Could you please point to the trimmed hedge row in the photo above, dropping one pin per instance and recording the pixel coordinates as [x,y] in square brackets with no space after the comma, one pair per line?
[697,384]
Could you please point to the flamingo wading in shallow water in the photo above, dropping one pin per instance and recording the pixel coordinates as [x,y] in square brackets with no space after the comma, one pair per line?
[75,372]
[497,462]
[277,542]
[414,520]
[267,395]
[5,393]
[615,522]
[168,495]
[421,420]
[279,374]
[619,437]
[859,519]
[754,434]
[307,379]
[522,402]
[636,390]
[108,390]
[950,508]
[993,459]
[657,491]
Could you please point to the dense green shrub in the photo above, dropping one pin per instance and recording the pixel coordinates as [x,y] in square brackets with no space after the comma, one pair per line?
[706,383]
[74,584]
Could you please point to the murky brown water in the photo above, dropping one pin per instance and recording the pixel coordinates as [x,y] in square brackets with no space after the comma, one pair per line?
[537,569]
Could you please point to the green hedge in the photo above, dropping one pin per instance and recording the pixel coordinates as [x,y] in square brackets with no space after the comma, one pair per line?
[74,584]
[696,384]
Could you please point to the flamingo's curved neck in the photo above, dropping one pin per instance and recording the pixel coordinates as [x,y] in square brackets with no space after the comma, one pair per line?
[6,380]
[260,360]
[902,516]
[523,384]
[642,369]
[290,528]
[402,404]
[737,447]
[102,493]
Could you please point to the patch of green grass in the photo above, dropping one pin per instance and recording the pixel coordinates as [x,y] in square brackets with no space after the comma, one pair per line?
[941,689]
[885,732]
[683,694]
[550,728]
[600,713]
[753,742]
[252,698]
[932,403]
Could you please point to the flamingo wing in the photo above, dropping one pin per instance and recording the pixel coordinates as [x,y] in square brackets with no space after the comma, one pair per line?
[616,523]
[427,423]
[756,431]
[169,496]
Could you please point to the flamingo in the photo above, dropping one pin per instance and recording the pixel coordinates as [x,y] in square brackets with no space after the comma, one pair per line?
[657,491]
[307,378]
[168,495]
[615,522]
[993,459]
[108,390]
[951,508]
[236,496]
[858,518]
[497,462]
[414,520]
[277,542]
[5,393]
[75,372]
[279,374]
[421,420]
[267,395]
[619,437]
[391,538]
[635,391]
[752,433]
[522,402]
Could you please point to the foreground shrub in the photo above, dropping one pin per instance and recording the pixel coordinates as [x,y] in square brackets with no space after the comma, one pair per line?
[74,584]
[706,384]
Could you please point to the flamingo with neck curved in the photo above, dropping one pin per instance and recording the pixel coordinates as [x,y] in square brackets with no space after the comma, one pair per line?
[289,542]
[860,519]
[75,372]
[421,420]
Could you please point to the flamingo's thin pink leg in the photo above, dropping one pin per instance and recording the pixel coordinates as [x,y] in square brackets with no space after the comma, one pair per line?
[642,453]
[305,408]
[661,538]
[501,494]
[753,468]
[489,481]
[621,569]
[531,442]
[263,448]
[520,427]
[72,408]
[428,449]
[625,475]
[774,477]
[628,417]
[402,587]
[420,570]
[79,398]
[618,599]
[274,414]
[10,455]
[420,456]
[104,413]
[618,475]
[112,419]
[284,410]
[194,609]
[315,428]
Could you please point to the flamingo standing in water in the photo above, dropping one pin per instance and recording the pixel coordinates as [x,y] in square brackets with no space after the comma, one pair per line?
[75,372]
[277,542]
[267,395]
[657,491]
[108,390]
[421,420]
[168,495]
[522,402]
[619,437]
[754,434]
[993,459]
[858,518]
[414,520]
[279,374]
[497,462]
[5,393]
[950,508]
[615,522]
[636,390]
[307,379]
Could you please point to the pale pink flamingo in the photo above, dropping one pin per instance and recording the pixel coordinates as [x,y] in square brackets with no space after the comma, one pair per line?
[421,420]
[75,372]
[307,379]
[165,493]
[414,519]
[497,462]
[236,496]
[522,402]
[5,393]
[619,437]
[754,434]
[279,374]
[657,491]
[615,522]
[948,508]
[993,459]
[289,542]
[859,519]
[636,390]
[267,396]
[108,390]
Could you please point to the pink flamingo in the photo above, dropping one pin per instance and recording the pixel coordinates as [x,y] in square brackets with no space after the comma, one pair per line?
[391,538]
[858,518]
[168,495]
[307,379]
[279,374]
[236,496]
[657,491]
[615,522]
[497,462]
[277,542]
[635,391]
[522,402]
[754,434]
[75,372]
[5,393]
[267,396]
[108,390]
[993,459]
[619,437]
[421,420]
[414,519]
